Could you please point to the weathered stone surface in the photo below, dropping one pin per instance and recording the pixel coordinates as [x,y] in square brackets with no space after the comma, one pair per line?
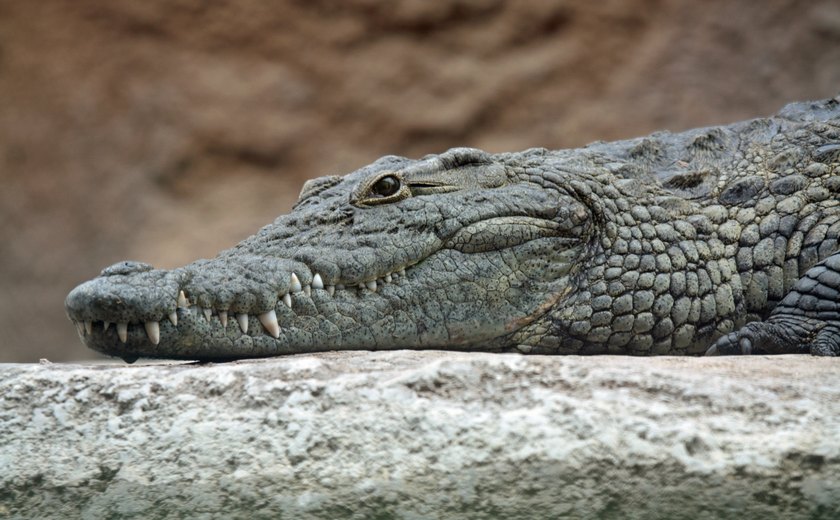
[423,435]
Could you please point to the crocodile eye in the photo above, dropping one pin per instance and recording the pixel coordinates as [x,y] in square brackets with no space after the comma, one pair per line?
[386,186]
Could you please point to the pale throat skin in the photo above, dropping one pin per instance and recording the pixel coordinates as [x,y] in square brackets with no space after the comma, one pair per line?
[719,239]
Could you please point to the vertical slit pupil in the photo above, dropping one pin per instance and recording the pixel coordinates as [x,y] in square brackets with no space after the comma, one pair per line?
[386,186]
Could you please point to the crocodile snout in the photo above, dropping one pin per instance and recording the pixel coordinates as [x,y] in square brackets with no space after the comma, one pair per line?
[134,309]
[125,293]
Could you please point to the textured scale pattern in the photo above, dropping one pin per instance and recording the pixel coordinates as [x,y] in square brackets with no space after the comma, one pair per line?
[719,240]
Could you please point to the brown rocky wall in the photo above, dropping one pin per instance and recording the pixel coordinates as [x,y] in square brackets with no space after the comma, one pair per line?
[165,131]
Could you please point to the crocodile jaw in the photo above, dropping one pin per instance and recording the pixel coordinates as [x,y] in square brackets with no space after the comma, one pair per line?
[456,270]
[435,303]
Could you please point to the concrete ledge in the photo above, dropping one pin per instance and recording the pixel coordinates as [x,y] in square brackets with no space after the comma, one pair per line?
[424,435]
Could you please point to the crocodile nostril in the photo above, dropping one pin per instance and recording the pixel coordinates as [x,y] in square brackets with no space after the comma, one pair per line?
[126,267]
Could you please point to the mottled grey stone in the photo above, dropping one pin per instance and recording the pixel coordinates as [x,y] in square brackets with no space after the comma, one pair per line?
[409,435]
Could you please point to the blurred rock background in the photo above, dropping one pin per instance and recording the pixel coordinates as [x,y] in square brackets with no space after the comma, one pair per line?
[166,131]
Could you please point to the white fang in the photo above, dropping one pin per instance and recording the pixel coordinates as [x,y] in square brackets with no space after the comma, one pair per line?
[153,331]
[269,321]
[243,322]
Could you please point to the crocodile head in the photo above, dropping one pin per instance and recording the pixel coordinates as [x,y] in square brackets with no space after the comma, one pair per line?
[458,250]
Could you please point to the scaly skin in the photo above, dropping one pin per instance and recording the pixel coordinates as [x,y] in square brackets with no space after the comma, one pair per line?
[719,239]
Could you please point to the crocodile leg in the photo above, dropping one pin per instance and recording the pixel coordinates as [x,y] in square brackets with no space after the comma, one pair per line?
[806,320]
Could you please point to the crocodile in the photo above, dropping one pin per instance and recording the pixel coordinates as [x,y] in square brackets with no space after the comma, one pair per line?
[718,240]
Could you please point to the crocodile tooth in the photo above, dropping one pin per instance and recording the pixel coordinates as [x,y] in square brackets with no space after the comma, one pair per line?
[223,318]
[122,331]
[307,290]
[389,278]
[331,289]
[287,300]
[89,327]
[207,313]
[153,331]
[295,284]
[269,321]
[173,317]
[371,285]
[105,325]
[317,282]
[182,300]
[402,272]
[243,322]
[80,328]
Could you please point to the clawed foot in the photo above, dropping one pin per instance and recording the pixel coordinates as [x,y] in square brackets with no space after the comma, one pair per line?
[729,345]
[806,320]
[736,343]
[799,336]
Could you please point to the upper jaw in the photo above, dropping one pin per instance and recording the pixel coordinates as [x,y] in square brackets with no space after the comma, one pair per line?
[123,297]
[138,310]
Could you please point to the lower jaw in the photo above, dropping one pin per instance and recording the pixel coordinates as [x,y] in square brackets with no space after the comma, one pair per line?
[303,321]
[392,318]
[212,336]
[197,338]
